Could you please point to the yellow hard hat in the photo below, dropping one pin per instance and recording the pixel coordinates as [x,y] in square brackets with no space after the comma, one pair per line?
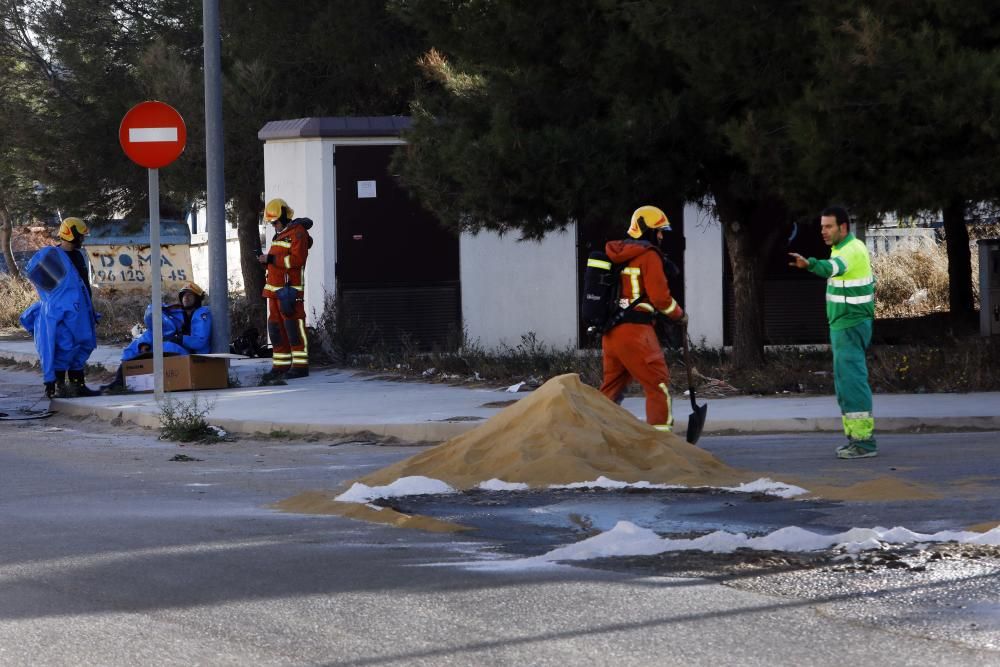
[273,210]
[193,288]
[72,229]
[647,217]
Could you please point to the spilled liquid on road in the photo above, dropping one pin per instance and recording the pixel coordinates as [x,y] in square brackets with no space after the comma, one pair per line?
[567,432]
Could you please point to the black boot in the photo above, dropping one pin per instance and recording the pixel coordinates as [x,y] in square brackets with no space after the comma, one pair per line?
[79,387]
[118,384]
[50,390]
[276,373]
[297,372]
[60,390]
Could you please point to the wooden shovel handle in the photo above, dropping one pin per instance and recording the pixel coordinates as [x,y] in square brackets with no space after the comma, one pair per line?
[687,367]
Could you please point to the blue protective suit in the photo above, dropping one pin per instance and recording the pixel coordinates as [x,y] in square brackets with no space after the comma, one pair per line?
[197,342]
[62,322]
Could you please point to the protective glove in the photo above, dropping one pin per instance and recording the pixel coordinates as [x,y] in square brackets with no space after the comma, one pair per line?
[177,339]
[50,389]
[683,321]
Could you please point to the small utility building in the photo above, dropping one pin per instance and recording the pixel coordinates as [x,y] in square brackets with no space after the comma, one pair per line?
[387,263]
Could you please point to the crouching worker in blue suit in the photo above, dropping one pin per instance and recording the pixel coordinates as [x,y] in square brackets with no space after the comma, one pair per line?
[62,321]
[187,329]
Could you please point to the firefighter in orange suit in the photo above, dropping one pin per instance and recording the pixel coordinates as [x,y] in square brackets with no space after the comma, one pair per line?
[631,349]
[284,290]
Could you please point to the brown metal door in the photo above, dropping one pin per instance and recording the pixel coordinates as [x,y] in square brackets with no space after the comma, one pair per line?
[397,267]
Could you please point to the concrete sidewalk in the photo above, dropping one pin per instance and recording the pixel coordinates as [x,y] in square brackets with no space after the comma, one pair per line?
[337,402]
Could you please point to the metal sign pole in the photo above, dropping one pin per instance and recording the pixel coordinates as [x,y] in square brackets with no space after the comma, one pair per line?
[215,205]
[156,278]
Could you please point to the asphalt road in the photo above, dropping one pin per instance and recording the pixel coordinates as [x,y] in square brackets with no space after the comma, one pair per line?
[112,554]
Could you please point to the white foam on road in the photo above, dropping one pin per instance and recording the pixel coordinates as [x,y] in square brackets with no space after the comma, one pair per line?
[769,487]
[420,485]
[500,485]
[762,485]
[404,486]
[628,539]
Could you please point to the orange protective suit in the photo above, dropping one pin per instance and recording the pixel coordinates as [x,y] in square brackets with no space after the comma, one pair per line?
[286,261]
[631,349]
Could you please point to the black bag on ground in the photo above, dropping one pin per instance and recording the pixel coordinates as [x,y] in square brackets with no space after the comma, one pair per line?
[249,345]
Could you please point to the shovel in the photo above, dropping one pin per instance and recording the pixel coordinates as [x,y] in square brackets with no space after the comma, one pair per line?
[696,422]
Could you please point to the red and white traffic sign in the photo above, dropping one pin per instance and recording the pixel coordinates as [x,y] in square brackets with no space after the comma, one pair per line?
[152,134]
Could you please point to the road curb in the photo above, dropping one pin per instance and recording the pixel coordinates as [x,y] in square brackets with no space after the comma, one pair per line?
[834,424]
[444,430]
[413,432]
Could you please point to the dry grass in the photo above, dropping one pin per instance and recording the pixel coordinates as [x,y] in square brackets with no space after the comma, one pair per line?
[914,282]
[246,313]
[120,311]
[911,282]
[16,294]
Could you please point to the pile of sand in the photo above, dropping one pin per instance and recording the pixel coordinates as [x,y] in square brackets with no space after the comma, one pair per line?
[563,432]
[880,489]
[567,432]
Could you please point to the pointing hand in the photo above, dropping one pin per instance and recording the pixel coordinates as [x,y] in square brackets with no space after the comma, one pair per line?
[799,261]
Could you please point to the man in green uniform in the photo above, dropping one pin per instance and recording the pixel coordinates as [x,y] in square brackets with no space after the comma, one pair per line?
[850,310]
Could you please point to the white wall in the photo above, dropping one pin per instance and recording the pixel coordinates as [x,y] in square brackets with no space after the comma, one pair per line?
[301,172]
[511,287]
[199,259]
[703,287]
[882,240]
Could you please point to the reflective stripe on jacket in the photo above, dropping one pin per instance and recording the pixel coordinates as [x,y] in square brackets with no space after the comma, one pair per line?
[643,278]
[850,285]
[287,258]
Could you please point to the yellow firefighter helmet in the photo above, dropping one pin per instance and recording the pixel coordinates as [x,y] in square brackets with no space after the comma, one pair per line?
[274,208]
[193,288]
[645,218]
[73,229]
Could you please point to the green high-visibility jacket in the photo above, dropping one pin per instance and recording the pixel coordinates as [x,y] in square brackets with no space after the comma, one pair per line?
[850,285]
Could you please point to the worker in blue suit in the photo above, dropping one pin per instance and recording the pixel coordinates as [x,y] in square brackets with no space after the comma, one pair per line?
[187,329]
[63,322]
[187,326]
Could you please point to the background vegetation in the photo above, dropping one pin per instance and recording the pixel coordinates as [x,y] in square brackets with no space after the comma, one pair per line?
[531,115]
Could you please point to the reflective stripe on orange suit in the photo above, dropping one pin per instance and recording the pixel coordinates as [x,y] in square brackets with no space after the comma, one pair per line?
[290,346]
[631,350]
[289,250]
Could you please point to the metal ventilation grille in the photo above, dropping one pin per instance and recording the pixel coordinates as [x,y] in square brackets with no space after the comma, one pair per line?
[794,312]
[430,315]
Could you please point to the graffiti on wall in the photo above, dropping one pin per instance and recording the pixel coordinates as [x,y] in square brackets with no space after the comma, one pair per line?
[128,267]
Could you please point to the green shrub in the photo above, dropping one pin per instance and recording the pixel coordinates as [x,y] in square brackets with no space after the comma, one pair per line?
[184,421]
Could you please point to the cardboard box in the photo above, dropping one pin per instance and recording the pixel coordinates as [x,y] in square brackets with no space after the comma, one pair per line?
[189,372]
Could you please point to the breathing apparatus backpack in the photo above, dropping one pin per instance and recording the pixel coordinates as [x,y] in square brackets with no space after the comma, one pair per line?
[601,291]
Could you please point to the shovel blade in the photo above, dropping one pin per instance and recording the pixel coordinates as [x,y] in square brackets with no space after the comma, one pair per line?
[696,422]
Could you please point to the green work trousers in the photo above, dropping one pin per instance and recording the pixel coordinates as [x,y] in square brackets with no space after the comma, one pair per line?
[850,380]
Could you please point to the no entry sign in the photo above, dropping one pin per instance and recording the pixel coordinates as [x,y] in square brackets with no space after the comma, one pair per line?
[152,134]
